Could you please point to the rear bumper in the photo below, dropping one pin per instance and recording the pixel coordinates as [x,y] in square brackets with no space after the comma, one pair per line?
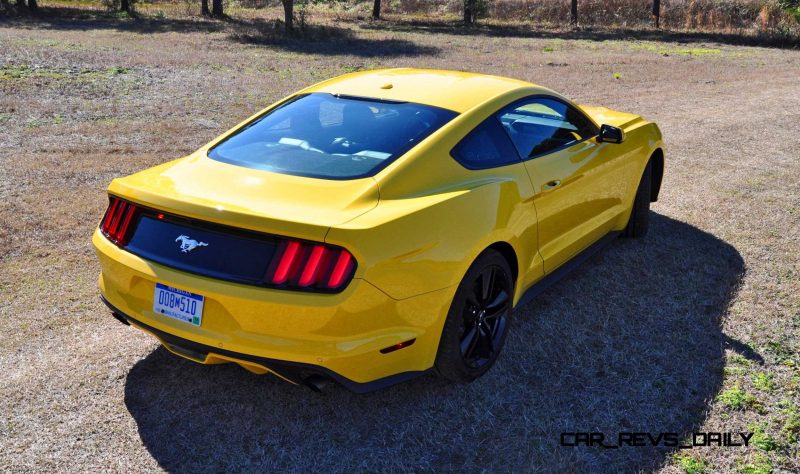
[294,372]
[291,334]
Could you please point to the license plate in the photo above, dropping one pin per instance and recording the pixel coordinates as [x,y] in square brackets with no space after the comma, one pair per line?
[178,304]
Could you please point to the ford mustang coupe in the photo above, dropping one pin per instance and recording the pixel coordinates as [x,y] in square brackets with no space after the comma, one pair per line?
[375,226]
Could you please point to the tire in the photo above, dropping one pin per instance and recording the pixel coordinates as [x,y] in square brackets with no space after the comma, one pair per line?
[478,320]
[640,214]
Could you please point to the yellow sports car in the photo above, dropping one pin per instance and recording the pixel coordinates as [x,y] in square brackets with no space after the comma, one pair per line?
[375,226]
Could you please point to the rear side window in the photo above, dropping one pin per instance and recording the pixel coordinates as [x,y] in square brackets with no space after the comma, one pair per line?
[331,137]
[539,125]
[486,146]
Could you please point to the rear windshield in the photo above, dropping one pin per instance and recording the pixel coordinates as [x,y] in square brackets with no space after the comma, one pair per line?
[334,137]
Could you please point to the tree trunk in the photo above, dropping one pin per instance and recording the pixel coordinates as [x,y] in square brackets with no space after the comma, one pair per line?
[125,6]
[216,8]
[288,16]
[20,3]
[376,9]
[573,20]
[657,13]
[469,12]
[32,5]
[204,8]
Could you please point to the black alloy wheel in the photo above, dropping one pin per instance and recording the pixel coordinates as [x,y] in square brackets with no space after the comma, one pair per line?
[478,320]
[485,317]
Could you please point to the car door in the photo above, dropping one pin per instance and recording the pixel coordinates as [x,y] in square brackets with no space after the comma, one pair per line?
[578,186]
[488,151]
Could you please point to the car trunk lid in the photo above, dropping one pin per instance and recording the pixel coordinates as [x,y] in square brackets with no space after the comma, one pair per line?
[200,188]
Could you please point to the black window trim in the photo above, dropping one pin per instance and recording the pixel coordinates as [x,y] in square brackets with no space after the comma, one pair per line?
[371,174]
[493,115]
[556,99]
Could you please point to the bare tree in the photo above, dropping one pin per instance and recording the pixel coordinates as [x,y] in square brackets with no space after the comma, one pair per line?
[376,9]
[216,8]
[573,20]
[469,11]
[657,13]
[204,8]
[288,16]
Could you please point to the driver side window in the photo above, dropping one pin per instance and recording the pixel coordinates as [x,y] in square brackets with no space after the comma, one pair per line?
[541,125]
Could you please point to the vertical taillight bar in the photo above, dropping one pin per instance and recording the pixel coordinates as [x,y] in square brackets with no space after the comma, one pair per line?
[300,265]
[116,224]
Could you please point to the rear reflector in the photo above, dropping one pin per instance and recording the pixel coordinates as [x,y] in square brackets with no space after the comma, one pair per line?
[397,346]
[116,224]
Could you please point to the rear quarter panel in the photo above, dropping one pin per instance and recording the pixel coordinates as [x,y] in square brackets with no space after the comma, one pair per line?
[417,245]
[434,217]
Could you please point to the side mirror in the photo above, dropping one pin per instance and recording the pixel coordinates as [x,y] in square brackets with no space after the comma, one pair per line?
[610,134]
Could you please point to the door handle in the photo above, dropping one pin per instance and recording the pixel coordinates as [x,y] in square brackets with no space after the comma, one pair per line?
[551,184]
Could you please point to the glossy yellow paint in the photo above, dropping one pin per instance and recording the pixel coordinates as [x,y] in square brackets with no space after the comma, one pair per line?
[414,229]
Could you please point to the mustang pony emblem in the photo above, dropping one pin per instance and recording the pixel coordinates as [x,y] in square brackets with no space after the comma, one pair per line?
[187,244]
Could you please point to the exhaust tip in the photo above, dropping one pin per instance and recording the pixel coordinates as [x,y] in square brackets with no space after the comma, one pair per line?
[316,382]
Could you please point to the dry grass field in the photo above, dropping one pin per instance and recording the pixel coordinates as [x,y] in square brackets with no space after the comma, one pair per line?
[694,328]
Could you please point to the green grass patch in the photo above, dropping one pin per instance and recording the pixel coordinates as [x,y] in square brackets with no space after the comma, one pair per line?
[737,399]
[760,464]
[732,371]
[739,359]
[665,50]
[780,350]
[113,71]
[617,75]
[24,71]
[791,426]
[690,464]
[698,51]
[761,439]
[548,49]
[764,381]
[15,72]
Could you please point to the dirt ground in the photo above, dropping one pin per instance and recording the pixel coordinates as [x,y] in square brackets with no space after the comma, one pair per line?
[694,328]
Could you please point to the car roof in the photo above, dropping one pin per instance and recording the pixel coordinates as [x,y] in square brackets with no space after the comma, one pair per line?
[454,90]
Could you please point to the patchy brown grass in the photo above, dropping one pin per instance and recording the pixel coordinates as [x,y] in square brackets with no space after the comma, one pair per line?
[693,328]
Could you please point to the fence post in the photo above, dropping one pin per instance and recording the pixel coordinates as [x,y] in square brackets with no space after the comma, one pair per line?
[573,20]
[657,13]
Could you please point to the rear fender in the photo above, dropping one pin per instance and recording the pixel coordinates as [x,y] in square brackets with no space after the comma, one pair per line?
[417,245]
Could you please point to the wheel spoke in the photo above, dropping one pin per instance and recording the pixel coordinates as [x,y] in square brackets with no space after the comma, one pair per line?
[469,342]
[486,306]
[487,339]
[497,330]
[498,303]
[487,284]
[489,327]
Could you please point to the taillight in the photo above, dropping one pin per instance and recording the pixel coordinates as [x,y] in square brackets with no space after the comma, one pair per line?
[116,224]
[301,265]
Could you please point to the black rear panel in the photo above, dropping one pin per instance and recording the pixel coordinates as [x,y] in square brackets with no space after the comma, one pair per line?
[203,248]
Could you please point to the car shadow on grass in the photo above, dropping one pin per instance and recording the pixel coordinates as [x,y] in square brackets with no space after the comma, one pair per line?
[629,342]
